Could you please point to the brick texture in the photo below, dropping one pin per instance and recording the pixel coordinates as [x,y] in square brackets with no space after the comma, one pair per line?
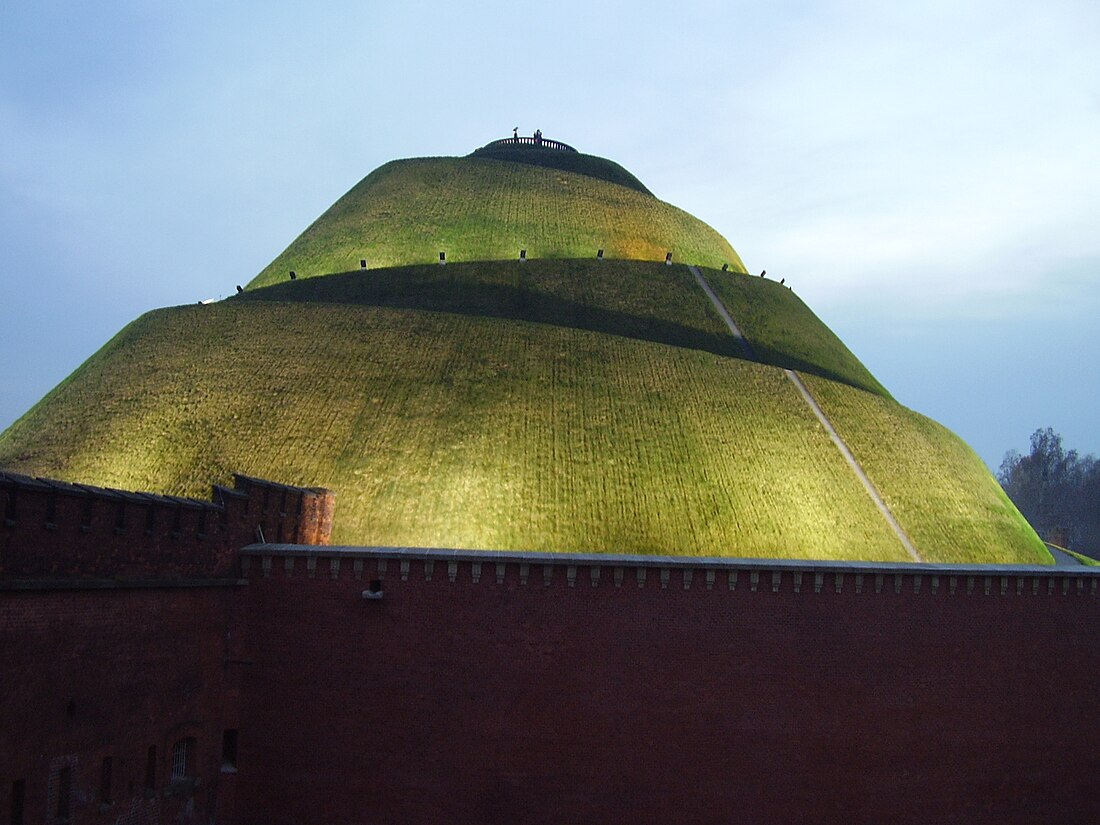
[500,703]
[89,674]
[505,688]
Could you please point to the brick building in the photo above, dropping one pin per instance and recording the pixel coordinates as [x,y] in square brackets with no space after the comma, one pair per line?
[169,660]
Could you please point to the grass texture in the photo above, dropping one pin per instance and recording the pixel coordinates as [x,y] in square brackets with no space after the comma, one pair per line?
[635,299]
[441,429]
[479,209]
[785,332]
[449,429]
[941,493]
[582,164]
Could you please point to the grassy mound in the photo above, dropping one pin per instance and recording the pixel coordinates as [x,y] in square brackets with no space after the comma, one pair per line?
[477,209]
[635,299]
[785,332]
[451,429]
[447,430]
[941,493]
[582,164]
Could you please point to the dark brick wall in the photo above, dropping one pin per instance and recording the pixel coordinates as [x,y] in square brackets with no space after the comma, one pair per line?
[119,632]
[487,702]
[477,690]
[54,529]
[93,673]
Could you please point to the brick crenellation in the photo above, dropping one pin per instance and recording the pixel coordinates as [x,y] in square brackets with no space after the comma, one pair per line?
[52,528]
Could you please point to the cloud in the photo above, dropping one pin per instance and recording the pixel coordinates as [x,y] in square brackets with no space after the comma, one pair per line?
[957,144]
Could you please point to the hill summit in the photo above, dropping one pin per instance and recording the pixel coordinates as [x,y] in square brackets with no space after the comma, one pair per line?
[591,369]
[488,206]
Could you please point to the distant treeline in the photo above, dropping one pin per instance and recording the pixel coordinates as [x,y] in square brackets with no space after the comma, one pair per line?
[1057,490]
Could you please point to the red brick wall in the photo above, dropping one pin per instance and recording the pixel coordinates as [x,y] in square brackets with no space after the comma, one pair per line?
[459,702]
[54,529]
[93,673]
[118,632]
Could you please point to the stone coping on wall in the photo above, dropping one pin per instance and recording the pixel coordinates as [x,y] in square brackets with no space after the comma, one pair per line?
[679,562]
[601,569]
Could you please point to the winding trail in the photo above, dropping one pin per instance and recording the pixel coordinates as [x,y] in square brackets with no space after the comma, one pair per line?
[804,391]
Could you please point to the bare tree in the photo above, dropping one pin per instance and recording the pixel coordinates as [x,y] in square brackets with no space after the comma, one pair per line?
[1057,491]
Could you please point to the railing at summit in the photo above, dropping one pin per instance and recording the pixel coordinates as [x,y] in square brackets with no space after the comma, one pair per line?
[545,143]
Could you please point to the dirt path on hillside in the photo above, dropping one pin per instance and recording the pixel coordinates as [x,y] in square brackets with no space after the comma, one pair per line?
[718,305]
[804,391]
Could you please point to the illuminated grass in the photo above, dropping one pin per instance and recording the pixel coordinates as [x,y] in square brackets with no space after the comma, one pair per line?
[407,211]
[938,489]
[635,299]
[1088,561]
[590,165]
[447,430]
[784,331]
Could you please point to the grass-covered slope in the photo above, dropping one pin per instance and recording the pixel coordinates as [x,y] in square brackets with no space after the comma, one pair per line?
[941,493]
[590,165]
[785,332]
[635,299]
[453,429]
[444,429]
[477,209]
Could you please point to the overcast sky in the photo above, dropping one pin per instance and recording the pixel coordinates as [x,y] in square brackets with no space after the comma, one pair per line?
[926,175]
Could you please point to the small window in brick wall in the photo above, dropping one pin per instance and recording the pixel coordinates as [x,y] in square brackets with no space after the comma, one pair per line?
[51,509]
[229,750]
[151,768]
[183,759]
[87,507]
[105,776]
[9,508]
[18,800]
[64,793]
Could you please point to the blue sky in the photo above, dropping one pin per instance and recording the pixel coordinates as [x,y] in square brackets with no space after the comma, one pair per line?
[926,176]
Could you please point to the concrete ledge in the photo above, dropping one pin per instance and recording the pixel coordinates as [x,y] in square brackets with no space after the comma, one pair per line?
[498,557]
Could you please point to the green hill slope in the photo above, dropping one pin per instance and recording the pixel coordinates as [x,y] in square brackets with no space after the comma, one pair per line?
[636,299]
[582,164]
[785,332]
[448,430]
[936,486]
[563,403]
[542,413]
[477,209]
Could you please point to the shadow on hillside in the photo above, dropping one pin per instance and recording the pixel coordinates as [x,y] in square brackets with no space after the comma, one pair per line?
[490,300]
